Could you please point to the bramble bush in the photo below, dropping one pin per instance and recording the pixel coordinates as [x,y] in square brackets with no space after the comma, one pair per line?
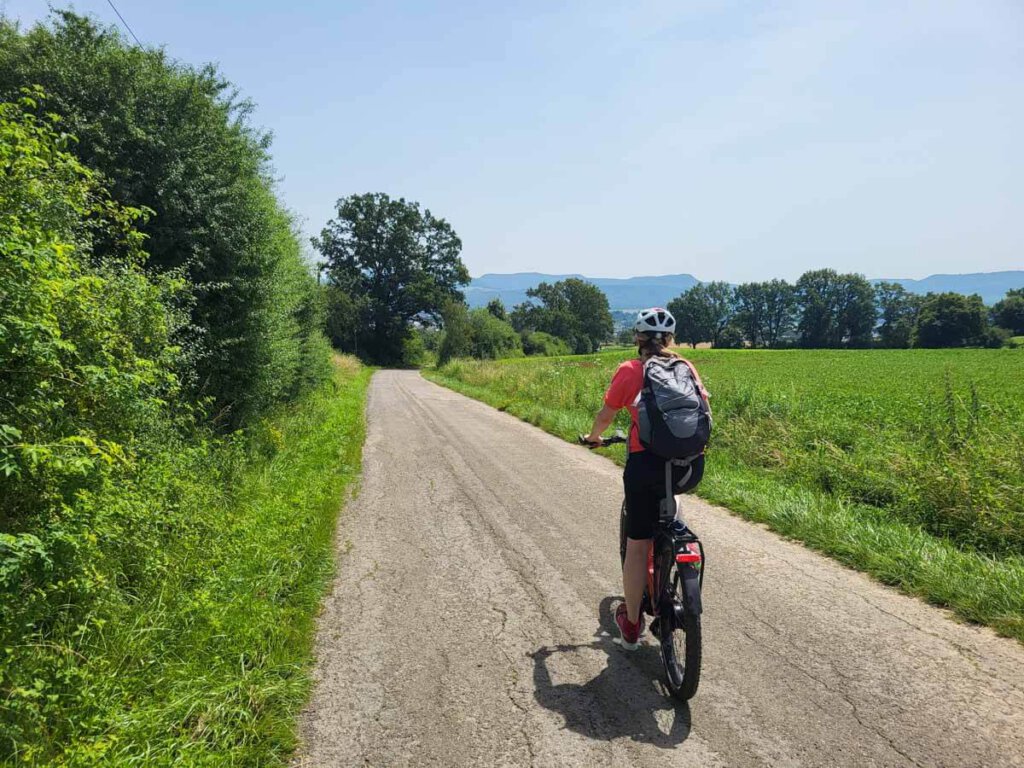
[86,367]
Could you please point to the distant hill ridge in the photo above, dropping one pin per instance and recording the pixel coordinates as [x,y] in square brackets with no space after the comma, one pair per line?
[645,291]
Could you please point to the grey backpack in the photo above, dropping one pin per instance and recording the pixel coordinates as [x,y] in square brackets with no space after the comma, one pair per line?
[673,418]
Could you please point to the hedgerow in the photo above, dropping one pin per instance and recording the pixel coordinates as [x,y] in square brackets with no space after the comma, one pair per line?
[178,141]
[161,360]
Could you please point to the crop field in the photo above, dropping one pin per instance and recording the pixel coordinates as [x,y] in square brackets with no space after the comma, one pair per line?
[906,463]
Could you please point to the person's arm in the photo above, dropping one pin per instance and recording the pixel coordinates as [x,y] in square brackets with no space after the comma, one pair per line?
[620,393]
[602,421]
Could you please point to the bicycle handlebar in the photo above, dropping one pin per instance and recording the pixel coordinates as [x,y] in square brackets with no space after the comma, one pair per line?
[605,441]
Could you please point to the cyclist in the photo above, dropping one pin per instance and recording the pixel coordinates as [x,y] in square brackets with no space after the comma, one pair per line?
[644,476]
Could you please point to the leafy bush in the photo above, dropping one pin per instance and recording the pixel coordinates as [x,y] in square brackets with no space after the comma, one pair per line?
[544,344]
[994,338]
[86,369]
[492,338]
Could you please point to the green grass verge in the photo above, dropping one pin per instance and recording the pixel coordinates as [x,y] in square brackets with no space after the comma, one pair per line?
[206,662]
[981,587]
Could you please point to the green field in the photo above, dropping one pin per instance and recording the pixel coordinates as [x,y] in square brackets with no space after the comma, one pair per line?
[908,464]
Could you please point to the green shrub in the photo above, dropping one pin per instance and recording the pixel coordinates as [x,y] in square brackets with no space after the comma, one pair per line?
[994,338]
[544,344]
[86,369]
[492,338]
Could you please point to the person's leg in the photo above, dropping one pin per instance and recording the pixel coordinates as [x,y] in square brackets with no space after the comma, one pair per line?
[641,512]
[634,576]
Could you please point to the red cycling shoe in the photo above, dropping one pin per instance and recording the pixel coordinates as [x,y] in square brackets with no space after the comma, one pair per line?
[629,631]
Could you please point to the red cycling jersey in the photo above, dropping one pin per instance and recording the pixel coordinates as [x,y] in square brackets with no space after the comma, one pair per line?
[623,392]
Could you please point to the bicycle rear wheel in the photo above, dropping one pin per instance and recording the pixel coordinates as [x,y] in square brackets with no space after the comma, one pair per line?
[681,646]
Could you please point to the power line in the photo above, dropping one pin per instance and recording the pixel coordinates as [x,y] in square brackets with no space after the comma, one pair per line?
[111,4]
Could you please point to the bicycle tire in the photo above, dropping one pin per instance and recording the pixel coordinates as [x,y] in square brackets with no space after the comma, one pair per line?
[683,679]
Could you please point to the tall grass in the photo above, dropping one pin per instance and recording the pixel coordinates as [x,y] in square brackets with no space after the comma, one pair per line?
[201,656]
[907,464]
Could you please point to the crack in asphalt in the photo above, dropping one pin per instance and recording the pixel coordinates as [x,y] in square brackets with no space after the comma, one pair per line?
[840,692]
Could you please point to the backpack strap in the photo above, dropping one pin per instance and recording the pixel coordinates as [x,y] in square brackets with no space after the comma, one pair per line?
[700,384]
[648,402]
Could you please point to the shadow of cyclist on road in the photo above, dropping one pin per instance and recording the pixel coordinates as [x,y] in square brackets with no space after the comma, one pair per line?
[622,700]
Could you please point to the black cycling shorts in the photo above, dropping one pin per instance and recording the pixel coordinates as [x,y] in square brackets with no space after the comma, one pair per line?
[644,481]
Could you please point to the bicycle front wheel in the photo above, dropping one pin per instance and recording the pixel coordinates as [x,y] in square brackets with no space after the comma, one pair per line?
[681,647]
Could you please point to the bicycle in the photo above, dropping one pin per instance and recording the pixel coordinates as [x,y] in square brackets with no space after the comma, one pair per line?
[675,577]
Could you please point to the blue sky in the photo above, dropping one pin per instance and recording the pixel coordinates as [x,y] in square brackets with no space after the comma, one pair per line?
[734,141]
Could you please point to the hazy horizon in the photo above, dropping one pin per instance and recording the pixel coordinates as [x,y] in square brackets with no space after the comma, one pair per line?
[769,277]
[708,139]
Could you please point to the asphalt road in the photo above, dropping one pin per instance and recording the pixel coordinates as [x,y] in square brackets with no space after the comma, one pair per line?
[470,624]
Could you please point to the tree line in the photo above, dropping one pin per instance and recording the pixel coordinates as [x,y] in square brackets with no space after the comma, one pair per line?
[393,276]
[826,309]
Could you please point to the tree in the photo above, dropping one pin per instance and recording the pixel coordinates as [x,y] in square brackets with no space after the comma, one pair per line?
[458,335]
[751,312]
[402,261]
[178,141]
[731,337]
[1008,312]
[898,310]
[857,313]
[693,317]
[835,310]
[346,316]
[703,312]
[572,309]
[950,320]
[816,299]
[765,311]
[625,337]
[497,308]
[780,310]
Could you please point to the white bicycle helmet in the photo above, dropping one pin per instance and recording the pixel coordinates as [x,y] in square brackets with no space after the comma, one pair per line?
[655,320]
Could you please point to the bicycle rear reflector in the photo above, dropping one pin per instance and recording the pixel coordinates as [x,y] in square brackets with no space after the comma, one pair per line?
[689,554]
